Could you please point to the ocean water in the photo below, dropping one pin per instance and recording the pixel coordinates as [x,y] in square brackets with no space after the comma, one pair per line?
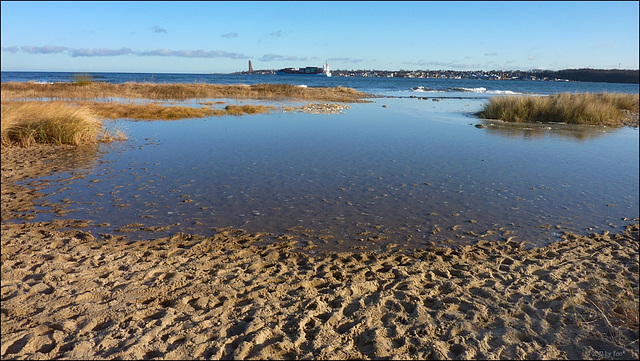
[400,171]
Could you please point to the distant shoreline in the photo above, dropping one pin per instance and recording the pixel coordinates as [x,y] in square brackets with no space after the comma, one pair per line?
[625,76]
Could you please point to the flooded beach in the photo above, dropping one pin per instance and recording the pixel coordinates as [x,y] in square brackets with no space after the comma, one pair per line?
[404,175]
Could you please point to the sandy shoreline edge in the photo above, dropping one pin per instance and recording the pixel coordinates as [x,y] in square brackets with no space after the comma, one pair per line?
[68,294]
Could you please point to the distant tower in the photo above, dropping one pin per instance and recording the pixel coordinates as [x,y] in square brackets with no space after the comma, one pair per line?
[250,67]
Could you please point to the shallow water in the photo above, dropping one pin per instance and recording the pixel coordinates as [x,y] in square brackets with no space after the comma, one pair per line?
[414,172]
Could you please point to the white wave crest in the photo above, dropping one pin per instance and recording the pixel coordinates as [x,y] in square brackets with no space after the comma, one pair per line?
[424,89]
[508,92]
[478,90]
[472,90]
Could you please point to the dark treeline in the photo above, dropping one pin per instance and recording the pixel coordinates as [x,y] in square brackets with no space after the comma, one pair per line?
[594,75]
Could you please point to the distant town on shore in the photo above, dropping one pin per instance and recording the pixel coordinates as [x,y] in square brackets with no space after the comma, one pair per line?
[586,74]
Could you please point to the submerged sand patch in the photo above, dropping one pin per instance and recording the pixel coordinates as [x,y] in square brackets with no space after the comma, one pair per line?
[69,293]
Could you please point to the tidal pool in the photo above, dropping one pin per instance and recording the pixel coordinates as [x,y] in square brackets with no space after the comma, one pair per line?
[413,172]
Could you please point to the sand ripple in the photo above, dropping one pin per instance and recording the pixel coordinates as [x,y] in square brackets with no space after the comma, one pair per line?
[67,294]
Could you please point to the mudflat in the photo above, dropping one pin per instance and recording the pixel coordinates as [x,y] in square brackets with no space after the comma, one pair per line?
[68,293]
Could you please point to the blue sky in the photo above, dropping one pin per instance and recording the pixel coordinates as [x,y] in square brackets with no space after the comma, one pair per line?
[220,37]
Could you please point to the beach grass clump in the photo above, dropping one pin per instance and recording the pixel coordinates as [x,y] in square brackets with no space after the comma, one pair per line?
[248,109]
[82,79]
[117,110]
[30,123]
[580,108]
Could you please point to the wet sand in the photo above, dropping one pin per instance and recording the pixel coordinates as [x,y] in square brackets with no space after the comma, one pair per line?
[68,293]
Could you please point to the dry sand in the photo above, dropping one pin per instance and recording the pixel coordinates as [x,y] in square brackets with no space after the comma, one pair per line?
[67,293]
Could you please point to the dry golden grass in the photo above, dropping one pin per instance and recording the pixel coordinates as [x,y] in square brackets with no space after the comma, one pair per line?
[248,109]
[78,122]
[116,110]
[217,102]
[583,108]
[175,91]
[82,79]
[29,123]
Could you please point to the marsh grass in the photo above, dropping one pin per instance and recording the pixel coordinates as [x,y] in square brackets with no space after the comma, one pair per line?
[68,113]
[115,110]
[78,123]
[248,109]
[583,108]
[218,102]
[25,124]
[177,91]
[82,79]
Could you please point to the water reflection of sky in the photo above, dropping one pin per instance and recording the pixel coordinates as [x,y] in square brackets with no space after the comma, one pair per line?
[412,172]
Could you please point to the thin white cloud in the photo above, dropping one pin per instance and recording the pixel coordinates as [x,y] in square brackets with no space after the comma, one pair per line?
[48,49]
[103,52]
[156,29]
[11,49]
[90,52]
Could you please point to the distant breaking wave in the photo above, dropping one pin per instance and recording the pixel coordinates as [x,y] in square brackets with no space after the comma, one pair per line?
[479,90]
[424,89]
